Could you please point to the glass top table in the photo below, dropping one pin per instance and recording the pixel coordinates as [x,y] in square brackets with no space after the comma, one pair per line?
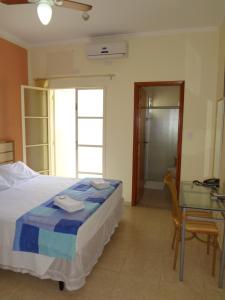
[200,198]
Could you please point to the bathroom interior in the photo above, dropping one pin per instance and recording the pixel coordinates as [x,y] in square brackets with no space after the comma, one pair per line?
[160,119]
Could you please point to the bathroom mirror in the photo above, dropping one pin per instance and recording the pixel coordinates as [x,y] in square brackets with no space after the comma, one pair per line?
[218,137]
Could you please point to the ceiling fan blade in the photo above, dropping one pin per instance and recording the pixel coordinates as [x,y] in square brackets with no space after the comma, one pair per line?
[9,2]
[76,5]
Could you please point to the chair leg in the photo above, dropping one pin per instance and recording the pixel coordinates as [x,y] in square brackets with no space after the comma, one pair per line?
[208,243]
[174,236]
[214,255]
[176,249]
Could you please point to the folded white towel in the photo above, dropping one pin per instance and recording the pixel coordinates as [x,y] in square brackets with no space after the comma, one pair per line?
[100,184]
[68,204]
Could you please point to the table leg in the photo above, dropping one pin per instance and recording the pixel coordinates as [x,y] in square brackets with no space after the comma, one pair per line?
[181,276]
[222,261]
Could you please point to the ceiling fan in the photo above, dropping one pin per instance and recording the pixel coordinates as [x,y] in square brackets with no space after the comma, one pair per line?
[44,7]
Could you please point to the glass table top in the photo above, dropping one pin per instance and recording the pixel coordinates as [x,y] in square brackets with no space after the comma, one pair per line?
[199,197]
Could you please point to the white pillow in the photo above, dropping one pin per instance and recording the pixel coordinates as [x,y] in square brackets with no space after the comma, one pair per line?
[3,184]
[16,173]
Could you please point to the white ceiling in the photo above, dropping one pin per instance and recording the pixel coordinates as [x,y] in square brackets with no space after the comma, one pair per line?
[110,17]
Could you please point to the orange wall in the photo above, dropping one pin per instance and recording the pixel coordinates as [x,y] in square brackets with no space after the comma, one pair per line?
[13,73]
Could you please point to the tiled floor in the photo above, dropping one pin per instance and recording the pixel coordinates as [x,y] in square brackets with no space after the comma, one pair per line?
[136,264]
[156,198]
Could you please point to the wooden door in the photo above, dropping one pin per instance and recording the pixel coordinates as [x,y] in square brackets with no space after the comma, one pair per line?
[141,143]
[140,113]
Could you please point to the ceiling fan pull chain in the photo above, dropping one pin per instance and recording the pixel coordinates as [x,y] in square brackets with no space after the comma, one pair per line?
[58,2]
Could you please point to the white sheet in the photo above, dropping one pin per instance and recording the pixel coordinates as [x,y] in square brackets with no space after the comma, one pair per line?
[15,173]
[16,201]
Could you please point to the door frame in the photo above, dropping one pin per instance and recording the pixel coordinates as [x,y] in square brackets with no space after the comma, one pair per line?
[77,88]
[137,87]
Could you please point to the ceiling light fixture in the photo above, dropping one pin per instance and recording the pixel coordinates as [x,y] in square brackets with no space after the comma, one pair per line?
[44,7]
[44,11]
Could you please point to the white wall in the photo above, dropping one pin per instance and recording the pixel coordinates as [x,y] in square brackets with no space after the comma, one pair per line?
[185,56]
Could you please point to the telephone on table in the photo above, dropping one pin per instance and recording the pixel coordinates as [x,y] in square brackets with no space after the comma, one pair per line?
[211,182]
[214,184]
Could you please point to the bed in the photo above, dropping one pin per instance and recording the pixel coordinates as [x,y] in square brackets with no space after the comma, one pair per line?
[91,236]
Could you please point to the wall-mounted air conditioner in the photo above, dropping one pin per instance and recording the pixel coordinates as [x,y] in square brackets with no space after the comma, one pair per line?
[107,50]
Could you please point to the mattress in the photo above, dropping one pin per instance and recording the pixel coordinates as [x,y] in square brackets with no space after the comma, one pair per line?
[91,236]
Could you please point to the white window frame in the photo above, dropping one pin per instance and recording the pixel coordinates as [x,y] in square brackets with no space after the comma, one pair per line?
[103,134]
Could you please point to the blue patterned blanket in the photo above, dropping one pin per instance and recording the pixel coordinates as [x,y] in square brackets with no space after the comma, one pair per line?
[51,231]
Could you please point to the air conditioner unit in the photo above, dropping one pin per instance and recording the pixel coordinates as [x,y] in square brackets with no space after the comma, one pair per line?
[107,50]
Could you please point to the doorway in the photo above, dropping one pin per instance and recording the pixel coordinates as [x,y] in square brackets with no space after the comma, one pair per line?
[63,131]
[157,142]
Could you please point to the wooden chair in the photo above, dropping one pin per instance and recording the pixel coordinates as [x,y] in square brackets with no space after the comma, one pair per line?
[193,227]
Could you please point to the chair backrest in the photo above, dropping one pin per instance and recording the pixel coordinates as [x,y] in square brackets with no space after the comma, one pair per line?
[170,182]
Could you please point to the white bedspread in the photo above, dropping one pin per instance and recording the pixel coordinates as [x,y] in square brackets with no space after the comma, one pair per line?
[91,236]
[16,201]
